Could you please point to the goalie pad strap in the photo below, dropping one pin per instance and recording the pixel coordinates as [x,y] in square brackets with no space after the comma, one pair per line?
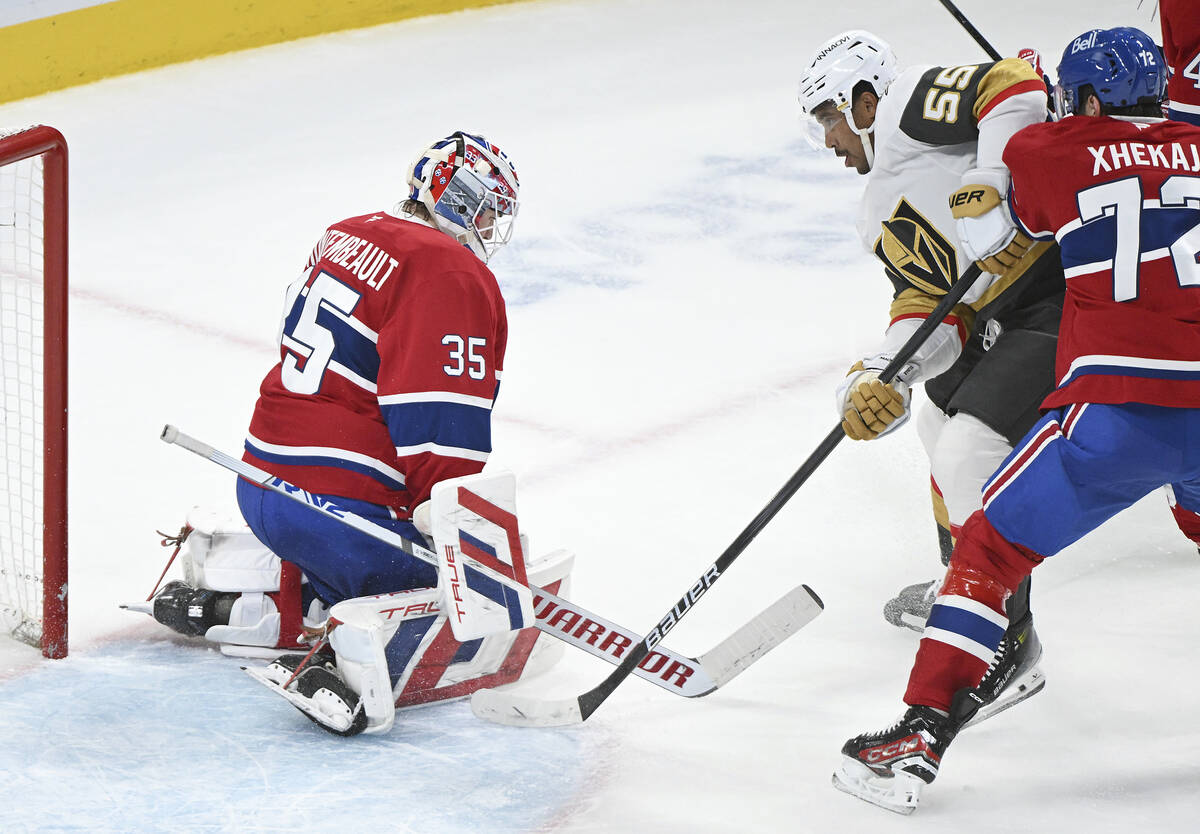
[291,607]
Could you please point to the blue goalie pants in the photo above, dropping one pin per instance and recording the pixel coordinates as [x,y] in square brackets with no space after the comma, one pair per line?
[340,562]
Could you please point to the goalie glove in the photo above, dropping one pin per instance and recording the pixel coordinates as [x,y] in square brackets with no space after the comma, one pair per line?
[986,232]
[868,406]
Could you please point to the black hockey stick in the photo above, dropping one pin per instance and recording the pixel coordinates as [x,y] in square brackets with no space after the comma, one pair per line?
[519,710]
[971,30]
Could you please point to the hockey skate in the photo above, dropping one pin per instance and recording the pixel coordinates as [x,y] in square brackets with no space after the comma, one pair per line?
[889,768]
[317,690]
[910,608]
[1012,676]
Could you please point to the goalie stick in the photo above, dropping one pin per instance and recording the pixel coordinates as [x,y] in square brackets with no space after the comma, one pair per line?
[528,711]
[691,677]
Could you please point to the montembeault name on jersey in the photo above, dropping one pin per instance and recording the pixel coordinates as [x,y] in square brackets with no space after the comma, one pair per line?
[358,257]
[1175,156]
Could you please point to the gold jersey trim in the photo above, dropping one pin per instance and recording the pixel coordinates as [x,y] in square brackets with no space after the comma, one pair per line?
[996,82]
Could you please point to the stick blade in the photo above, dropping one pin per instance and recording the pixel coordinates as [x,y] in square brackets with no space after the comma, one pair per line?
[515,710]
[736,653]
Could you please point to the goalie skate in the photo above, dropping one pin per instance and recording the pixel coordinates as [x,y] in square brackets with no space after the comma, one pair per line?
[317,690]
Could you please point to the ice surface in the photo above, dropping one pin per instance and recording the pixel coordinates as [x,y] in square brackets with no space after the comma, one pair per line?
[149,735]
[685,292]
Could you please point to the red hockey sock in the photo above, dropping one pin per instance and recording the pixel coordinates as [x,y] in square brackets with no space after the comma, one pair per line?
[1188,521]
[968,618]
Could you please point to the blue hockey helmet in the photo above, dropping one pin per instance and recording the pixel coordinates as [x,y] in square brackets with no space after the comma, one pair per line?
[1124,67]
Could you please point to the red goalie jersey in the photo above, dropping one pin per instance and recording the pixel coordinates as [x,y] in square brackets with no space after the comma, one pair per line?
[1123,200]
[392,345]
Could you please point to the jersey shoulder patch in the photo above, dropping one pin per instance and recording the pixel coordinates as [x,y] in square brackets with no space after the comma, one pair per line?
[942,107]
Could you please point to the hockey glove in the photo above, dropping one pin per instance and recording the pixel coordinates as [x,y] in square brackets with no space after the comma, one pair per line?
[870,407]
[986,232]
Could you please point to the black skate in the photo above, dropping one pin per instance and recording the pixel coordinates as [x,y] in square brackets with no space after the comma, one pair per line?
[317,690]
[910,608]
[890,767]
[1013,676]
[192,611]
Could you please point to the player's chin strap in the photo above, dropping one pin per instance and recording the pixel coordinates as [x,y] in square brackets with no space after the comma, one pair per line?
[865,135]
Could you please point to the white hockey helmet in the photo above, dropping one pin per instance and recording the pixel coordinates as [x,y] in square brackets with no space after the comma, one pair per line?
[470,190]
[835,70]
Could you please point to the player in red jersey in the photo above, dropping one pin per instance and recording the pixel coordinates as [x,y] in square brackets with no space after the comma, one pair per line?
[1180,21]
[391,347]
[1120,191]
[391,351]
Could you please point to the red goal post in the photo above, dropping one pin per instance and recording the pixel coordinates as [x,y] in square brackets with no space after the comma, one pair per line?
[33,341]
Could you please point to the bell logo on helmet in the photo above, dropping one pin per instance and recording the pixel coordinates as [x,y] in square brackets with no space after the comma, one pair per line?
[1121,67]
[1086,41]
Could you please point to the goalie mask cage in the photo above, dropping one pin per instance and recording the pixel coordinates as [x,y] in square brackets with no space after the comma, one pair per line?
[33,387]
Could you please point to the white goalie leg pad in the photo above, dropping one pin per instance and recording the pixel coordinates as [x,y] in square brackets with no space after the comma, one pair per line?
[442,668]
[222,554]
[253,621]
[427,663]
[963,454]
[551,571]
[361,629]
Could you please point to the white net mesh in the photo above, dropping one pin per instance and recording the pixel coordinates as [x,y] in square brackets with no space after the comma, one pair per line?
[21,351]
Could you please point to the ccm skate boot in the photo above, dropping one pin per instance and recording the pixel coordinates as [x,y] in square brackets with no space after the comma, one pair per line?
[889,768]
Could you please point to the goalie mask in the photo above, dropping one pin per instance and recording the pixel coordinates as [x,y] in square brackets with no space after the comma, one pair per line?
[837,68]
[1123,66]
[470,190]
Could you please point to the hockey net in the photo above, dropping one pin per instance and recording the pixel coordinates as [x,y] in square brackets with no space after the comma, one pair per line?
[33,385]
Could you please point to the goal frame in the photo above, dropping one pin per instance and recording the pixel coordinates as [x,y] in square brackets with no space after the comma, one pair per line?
[45,141]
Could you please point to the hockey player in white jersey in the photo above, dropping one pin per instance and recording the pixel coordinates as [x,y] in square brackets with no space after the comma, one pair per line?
[928,140]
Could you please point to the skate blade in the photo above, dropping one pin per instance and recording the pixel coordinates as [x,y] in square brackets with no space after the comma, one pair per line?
[258,652]
[140,607]
[899,793]
[299,701]
[1023,688]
